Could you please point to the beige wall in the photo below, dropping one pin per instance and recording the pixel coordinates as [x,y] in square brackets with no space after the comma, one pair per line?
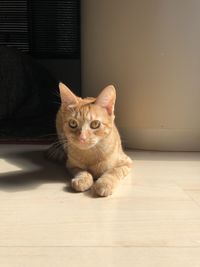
[150,50]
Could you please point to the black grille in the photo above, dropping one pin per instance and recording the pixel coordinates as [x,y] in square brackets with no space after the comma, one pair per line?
[43,28]
[14,24]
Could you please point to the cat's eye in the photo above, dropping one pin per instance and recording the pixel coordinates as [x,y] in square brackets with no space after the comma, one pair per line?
[95,124]
[73,123]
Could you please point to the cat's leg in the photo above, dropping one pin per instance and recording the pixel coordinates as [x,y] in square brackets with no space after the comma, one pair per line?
[106,184]
[82,180]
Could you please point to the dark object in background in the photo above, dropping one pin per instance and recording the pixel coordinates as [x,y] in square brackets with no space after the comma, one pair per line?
[28,97]
[49,31]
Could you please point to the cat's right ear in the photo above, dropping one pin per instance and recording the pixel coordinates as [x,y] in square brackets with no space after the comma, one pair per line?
[107,98]
[68,99]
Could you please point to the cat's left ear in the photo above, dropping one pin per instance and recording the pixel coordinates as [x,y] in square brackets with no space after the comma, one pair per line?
[106,99]
[67,97]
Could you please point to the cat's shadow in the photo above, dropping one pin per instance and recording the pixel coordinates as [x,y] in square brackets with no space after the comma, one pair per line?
[27,170]
[30,169]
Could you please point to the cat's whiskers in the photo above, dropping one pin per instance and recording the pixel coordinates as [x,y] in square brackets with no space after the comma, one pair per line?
[56,93]
[56,149]
[53,150]
[55,102]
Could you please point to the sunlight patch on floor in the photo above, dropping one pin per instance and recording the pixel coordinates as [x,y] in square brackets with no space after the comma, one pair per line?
[6,166]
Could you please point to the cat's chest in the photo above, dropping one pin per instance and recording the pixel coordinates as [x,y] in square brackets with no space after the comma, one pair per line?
[99,168]
[95,163]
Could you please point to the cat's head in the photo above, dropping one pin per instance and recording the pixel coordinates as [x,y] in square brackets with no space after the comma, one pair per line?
[86,121]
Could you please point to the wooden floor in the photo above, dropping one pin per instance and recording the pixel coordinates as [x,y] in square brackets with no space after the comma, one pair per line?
[152,220]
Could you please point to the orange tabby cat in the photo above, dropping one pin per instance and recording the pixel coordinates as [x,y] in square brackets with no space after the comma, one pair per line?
[91,141]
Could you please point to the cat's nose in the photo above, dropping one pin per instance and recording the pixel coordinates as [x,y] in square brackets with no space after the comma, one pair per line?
[82,138]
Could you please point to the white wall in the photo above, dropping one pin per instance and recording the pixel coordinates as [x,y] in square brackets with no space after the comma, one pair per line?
[149,49]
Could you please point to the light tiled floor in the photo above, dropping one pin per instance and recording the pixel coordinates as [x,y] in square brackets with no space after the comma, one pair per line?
[152,220]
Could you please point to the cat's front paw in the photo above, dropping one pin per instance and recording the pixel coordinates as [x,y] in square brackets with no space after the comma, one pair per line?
[82,181]
[103,187]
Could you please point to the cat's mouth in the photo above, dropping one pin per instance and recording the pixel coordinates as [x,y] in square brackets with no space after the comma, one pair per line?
[84,144]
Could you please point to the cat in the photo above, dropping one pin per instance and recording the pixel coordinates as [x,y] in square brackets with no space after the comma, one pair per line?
[91,142]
